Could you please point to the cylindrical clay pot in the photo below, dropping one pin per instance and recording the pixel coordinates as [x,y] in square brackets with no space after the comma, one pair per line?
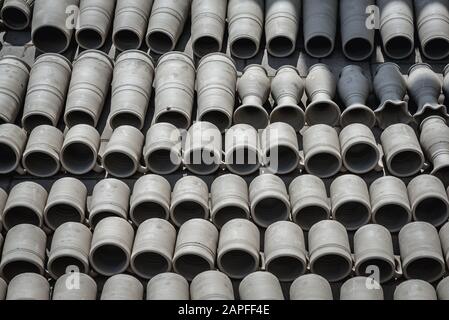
[357,38]
[166,24]
[389,203]
[309,201]
[95,19]
[47,91]
[311,287]
[3,198]
[121,157]
[153,248]
[415,290]
[285,250]
[350,201]
[373,247]
[91,79]
[189,200]
[424,87]
[359,148]
[42,153]
[330,254]
[66,288]
[131,89]
[122,287]
[110,197]
[390,88]
[16,14]
[279,148]
[66,202]
[130,22]
[260,285]
[25,205]
[434,140]
[443,289]
[321,87]
[282,19]
[320,26]
[23,251]
[229,199]
[28,286]
[245,27]
[428,200]
[354,87]
[287,89]
[421,254]
[216,85]
[208,25]
[3,288]
[111,246]
[162,150]
[12,143]
[358,288]
[269,200]
[238,248]
[402,150]
[203,148]
[196,248]
[79,153]
[69,250]
[150,199]
[211,285]
[397,27]
[432,19]
[242,149]
[174,86]
[53,24]
[14,74]
[444,239]
[254,89]
[322,155]
[168,286]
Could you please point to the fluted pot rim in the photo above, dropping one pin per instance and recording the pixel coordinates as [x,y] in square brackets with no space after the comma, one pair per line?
[318,65]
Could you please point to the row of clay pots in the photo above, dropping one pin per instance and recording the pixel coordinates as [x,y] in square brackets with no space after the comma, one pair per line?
[161,22]
[51,89]
[212,285]
[387,201]
[156,250]
[166,149]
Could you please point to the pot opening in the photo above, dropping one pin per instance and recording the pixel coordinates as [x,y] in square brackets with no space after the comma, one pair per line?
[8,158]
[238,263]
[89,38]
[205,45]
[50,39]
[126,40]
[109,259]
[308,216]
[60,214]
[78,158]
